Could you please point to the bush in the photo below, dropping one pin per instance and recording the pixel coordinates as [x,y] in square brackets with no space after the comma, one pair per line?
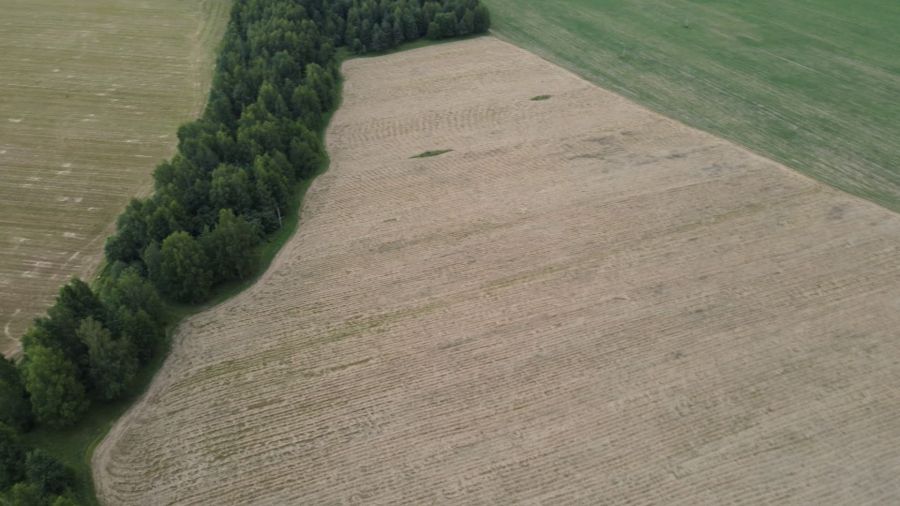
[15,409]
[49,475]
[11,454]
[57,396]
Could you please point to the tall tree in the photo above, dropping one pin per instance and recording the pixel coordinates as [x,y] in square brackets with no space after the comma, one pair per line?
[12,453]
[230,246]
[184,271]
[482,19]
[15,410]
[57,397]
[113,362]
[231,188]
[48,474]
[75,302]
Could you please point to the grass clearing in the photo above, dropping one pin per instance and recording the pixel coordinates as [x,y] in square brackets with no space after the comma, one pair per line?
[540,98]
[593,303]
[93,93]
[810,83]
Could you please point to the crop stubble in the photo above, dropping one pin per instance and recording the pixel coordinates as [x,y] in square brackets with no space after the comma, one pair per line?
[583,302]
[91,94]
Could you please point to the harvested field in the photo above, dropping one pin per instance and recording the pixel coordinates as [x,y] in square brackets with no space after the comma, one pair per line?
[582,302]
[91,95]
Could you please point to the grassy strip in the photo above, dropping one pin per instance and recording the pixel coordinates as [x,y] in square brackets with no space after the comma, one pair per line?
[75,445]
[541,97]
[436,152]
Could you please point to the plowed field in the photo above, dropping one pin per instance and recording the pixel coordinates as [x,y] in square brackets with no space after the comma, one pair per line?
[582,302]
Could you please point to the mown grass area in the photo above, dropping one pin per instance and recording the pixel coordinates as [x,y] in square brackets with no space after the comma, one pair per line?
[811,83]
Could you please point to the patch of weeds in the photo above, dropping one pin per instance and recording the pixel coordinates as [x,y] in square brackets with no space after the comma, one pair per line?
[541,97]
[436,152]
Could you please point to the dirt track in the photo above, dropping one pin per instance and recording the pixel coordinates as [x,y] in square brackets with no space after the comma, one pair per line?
[583,302]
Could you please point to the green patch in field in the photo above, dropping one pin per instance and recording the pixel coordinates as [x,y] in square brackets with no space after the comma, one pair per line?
[436,152]
[541,98]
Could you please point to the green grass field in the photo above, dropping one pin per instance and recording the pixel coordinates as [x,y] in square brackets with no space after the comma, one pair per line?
[814,84]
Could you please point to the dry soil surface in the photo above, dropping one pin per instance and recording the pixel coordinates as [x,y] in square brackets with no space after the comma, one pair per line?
[91,94]
[583,303]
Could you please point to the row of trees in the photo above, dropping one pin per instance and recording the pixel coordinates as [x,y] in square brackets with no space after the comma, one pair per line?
[228,186]
[379,25]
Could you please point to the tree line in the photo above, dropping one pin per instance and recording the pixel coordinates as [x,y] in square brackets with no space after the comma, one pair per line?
[215,201]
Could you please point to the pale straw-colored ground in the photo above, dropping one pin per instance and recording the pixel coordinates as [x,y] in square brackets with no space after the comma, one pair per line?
[583,303]
[91,95]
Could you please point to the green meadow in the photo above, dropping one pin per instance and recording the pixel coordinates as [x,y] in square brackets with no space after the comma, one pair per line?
[814,84]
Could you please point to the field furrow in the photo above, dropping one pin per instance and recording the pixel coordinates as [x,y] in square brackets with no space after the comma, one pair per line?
[91,95]
[583,302]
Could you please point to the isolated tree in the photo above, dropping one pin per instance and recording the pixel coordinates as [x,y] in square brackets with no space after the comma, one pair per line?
[15,410]
[113,363]
[57,397]
[183,266]
[12,453]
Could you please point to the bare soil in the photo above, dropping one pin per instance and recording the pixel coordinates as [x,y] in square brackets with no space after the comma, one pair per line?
[583,302]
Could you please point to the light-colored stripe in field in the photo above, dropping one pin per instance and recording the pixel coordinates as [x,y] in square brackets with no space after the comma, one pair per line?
[583,303]
[91,95]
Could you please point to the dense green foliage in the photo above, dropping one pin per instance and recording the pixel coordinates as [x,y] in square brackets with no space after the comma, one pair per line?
[15,410]
[11,455]
[227,188]
[57,395]
[33,477]
[46,473]
[813,84]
